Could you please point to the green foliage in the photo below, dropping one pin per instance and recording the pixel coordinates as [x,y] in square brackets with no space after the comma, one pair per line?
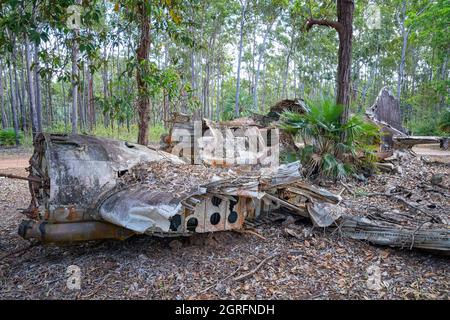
[122,133]
[444,123]
[8,137]
[424,127]
[324,153]
[431,125]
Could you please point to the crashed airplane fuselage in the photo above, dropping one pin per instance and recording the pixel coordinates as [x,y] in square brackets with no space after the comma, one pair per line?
[77,189]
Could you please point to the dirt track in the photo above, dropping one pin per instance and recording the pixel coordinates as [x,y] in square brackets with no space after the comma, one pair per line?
[316,266]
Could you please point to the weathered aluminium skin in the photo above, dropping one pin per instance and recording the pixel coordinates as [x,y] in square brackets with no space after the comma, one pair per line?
[74,195]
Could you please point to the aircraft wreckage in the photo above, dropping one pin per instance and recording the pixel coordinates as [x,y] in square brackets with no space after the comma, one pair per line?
[88,188]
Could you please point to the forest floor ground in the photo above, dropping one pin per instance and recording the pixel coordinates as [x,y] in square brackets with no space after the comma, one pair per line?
[316,265]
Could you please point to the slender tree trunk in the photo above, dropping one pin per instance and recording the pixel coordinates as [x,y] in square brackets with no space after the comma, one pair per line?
[443,78]
[238,76]
[288,59]
[37,78]
[25,124]
[401,67]
[263,98]
[105,90]
[90,98]
[80,106]
[31,95]
[2,101]
[166,105]
[143,102]
[75,79]
[258,67]
[218,91]
[13,106]
[64,106]
[50,99]
[20,100]
[74,110]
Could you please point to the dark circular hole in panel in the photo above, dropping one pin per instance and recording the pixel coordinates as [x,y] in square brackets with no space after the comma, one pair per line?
[233,202]
[175,222]
[191,224]
[216,201]
[232,217]
[215,218]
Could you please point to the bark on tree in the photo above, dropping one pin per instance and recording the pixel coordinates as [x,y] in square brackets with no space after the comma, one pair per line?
[37,78]
[238,77]
[143,102]
[105,89]
[90,98]
[22,90]
[64,106]
[13,106]
[288,59]
[74,80]
[20,100]
[258,68]
[50,98]
[218,91]
[401,68]
[2,104]
[344,28]
[165,93]
[31,95]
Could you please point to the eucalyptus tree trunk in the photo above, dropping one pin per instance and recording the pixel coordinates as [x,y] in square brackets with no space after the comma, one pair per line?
[288,59]
[64,106]
[20,100]
[238,77]
[105,89]
[13,106]
[31,95]
[345,10]
[90,98]
[344,27]
[22,90]
[37,78]
[50,99]
[2,101]
[75,78]
[81,98]
[74,111]
[218,91]
[165,113]
[192,60]
[263,98]
[443,78]
[401,68]
[142,53]
[258,68]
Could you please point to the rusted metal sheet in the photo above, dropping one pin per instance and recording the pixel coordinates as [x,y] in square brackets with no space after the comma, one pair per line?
[68,232]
